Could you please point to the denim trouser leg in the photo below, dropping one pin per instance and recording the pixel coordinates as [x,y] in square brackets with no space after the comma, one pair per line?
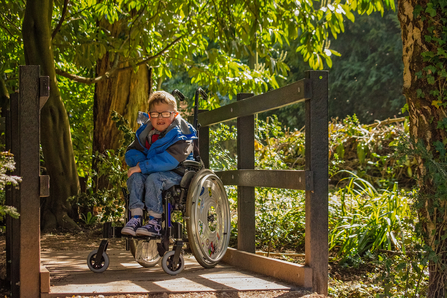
[135,185]
[155,184]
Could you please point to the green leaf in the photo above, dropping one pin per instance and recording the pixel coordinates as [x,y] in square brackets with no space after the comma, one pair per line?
[420,93]
[430,10]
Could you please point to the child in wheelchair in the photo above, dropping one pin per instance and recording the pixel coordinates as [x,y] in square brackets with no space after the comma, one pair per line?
[166,174]
[161,144]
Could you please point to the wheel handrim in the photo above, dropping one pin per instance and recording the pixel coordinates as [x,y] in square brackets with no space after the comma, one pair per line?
[210,219]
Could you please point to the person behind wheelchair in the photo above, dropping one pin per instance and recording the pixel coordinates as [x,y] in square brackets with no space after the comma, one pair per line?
[154,158]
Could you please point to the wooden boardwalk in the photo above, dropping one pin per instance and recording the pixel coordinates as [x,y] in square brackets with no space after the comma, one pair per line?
[69,275]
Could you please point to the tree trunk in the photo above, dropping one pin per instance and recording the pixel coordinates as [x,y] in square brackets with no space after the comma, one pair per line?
[425,115]
[126,93]
[55,129]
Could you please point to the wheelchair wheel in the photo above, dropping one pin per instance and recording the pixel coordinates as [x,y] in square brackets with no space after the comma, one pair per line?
[168,266]
[145,252]
[95,267]
[208,218]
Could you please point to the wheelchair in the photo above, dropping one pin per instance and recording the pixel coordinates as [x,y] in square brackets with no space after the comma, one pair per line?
[200,203]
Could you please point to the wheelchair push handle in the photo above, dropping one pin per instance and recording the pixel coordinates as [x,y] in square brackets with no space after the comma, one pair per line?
[178,94]
[202,93]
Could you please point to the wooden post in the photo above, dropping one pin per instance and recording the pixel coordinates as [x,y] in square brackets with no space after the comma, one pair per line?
[245,194]
[24,140]
[316,242]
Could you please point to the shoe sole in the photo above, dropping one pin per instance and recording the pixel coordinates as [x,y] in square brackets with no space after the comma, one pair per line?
[143,232]
[128,232]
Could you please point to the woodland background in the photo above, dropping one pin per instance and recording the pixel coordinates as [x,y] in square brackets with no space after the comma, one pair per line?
[105,57]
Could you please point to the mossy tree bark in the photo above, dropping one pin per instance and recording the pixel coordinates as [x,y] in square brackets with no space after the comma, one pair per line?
[424,116]
[55,129]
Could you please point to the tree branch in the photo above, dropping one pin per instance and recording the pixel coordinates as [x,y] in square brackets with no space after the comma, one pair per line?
[114,69]
[80,79]
[10,33]
[154,56]
[11,23]
[59,25]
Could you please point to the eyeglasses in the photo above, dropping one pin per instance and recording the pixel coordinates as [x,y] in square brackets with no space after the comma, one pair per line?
[163,114]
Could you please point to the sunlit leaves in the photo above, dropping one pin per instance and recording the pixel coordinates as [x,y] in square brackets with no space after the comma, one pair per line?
[216,38]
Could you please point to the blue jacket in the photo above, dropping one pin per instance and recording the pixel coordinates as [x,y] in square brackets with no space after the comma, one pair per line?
[173,146]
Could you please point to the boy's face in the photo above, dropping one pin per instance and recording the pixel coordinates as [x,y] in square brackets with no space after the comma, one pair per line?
[161,123]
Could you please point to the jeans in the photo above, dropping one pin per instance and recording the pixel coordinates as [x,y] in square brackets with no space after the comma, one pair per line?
[150,187]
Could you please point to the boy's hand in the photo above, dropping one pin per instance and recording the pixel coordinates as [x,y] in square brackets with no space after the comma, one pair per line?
[135,169]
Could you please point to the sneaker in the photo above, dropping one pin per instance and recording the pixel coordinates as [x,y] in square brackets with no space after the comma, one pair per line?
[152,228]
[131,226]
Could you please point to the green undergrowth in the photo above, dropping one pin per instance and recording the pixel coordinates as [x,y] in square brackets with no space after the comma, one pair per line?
[7,165]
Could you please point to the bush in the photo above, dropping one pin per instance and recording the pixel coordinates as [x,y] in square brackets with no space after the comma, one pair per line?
[7,164]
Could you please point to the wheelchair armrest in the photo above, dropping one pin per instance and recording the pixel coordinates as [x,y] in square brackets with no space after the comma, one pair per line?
[192,164]
[186,180]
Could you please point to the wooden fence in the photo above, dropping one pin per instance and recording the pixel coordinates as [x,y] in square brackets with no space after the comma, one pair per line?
[313,90]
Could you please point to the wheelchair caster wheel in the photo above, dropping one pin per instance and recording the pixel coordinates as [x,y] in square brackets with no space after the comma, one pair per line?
[168,266]
[95,267]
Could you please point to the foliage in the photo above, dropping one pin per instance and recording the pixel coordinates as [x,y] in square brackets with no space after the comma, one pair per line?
[89,219]
[368,227]
[222,147]
[376,229]
[11,45]
[369,149]
[7,164]
[280,219]
[365,80]
[210,41]
[427,102]
[405,274]
[362,219]
[78,101]
[108,199]
[123,126]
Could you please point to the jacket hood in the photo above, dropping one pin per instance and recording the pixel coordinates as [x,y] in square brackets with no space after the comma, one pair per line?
[178,122]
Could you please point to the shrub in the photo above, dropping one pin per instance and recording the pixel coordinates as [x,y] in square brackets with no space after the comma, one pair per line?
[7,164]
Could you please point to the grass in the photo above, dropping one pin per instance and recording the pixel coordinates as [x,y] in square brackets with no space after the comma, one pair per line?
[372,237]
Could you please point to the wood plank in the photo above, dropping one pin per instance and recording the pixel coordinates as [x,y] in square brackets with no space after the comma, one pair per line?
[285,271]
[275,99]
[71,276]
[290,179]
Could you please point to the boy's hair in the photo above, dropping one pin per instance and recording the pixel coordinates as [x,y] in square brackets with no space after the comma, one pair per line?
[162,97]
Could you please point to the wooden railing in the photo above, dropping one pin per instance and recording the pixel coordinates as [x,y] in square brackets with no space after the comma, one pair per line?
[313,90]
